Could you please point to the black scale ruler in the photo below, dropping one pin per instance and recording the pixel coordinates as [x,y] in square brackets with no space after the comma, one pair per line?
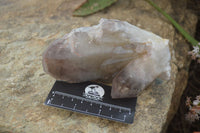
[91,98]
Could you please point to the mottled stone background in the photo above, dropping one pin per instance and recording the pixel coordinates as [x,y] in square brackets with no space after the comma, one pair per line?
[26,29]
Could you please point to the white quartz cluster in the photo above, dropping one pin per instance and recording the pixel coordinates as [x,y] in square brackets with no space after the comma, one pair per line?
[112,51]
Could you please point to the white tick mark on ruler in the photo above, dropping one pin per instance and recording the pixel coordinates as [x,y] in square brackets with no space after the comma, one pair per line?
[49,101]
[74,106]
[99,111]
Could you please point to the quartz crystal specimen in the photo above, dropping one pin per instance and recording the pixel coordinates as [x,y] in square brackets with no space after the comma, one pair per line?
[112,51]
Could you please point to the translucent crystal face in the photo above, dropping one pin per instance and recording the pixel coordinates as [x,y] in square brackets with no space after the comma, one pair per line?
[112,51]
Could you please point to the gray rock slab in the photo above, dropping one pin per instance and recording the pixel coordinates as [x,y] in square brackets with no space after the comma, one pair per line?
[27,28]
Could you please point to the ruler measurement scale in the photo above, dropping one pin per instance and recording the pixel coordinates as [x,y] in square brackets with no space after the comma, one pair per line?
[87,100]
[61,98]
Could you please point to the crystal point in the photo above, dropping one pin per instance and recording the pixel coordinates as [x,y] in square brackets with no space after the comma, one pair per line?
[112,51]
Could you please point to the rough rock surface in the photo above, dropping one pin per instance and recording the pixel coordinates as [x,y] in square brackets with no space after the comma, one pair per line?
[27,27]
